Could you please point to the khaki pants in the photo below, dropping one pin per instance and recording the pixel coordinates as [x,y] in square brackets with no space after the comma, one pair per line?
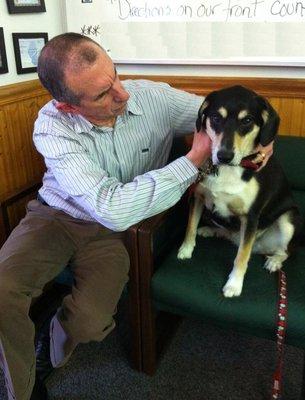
[38,249]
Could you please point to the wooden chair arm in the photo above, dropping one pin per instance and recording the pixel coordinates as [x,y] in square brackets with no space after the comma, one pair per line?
[150,225]
[169,226]
[9,198]
[9,213]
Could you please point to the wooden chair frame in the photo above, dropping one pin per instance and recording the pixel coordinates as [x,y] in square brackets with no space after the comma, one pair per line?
[156,328]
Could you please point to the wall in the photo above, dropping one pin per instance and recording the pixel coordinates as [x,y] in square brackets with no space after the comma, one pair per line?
[50,21]
[53,22]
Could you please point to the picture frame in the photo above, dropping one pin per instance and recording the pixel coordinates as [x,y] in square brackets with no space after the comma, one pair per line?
[25,6]
[27,47]
[3,59]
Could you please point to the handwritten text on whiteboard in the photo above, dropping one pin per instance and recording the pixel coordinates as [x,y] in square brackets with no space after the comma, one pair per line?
[209,10]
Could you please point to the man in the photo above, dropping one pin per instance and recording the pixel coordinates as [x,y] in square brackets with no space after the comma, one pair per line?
[105,146]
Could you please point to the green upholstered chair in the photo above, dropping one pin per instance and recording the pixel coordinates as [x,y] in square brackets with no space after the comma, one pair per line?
[194,287]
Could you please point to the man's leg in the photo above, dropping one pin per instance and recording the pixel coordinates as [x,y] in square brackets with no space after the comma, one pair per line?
[36,251]
[101,272]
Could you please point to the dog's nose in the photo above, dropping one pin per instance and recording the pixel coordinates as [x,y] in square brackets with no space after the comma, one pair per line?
[225,156]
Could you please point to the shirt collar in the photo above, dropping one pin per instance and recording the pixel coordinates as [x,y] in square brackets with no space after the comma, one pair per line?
[133,107]
[81,124]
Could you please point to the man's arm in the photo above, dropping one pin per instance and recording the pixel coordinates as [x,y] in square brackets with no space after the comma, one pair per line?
[108,201]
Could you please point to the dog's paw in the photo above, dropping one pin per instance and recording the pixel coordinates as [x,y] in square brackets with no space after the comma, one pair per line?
[185,251]
[205,231]
[233,287]
[273,263]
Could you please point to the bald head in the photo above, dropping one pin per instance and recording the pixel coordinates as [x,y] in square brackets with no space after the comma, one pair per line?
[69,52]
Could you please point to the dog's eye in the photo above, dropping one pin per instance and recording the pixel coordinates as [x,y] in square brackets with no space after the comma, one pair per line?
[247,120]
[215,118]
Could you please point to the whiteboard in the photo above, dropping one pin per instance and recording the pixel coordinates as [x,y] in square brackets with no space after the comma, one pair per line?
[194,32]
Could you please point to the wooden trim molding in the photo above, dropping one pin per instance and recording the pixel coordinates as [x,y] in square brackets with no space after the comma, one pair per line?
[274,87]
[270,87]
[21,91]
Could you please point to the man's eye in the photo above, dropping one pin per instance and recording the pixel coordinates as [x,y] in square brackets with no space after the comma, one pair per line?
[247,120]
[100,97]
[216,118]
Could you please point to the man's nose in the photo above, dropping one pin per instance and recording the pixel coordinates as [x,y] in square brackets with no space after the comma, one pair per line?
[119,93]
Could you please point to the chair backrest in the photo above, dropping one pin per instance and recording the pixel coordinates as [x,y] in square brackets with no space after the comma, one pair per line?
[290,151]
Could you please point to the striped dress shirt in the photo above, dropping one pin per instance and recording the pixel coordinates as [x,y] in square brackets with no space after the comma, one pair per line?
[118,176]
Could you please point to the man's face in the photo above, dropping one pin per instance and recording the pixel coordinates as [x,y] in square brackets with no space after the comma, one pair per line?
[103,97]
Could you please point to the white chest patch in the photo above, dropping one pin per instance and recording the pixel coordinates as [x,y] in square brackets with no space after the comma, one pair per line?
[226,193]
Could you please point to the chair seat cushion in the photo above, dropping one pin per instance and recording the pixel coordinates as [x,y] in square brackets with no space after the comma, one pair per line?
[194,287]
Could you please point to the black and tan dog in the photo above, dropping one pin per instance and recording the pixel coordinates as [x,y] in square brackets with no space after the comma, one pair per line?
[254,209]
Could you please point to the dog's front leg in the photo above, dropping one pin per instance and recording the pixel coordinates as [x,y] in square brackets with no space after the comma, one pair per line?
[187,247]
[234,285]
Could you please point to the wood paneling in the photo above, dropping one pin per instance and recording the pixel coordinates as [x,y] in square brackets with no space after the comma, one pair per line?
[287,96]
[21,166]
[286,88]
[19,161]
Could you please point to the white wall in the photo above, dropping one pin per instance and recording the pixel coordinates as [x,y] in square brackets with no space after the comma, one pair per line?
[53,22]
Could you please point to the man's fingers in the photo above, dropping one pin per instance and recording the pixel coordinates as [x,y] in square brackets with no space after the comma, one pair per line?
[260,157]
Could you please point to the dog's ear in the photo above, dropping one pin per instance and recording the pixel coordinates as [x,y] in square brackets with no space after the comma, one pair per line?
[200,121]
[271,122]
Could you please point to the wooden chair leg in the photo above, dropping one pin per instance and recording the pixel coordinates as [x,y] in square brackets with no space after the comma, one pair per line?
[303,382]
[166,326]
[149,340]
[135,328]
[157,331]
[157,328]
[131,243]
[153,338]
[148,323]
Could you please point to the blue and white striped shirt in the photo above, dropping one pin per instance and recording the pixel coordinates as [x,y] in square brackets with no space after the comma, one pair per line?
[118,176]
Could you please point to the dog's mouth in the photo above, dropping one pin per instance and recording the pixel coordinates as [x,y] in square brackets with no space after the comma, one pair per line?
[245,162]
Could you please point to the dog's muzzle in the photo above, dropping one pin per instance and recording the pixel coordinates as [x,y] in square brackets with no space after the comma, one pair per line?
[225,156]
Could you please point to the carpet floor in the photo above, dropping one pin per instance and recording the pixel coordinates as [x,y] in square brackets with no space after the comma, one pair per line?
[200,363]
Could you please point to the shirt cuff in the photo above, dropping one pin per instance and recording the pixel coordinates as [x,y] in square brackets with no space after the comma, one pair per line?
[184,171]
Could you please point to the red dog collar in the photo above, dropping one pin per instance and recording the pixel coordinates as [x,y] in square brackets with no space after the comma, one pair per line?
[247,162]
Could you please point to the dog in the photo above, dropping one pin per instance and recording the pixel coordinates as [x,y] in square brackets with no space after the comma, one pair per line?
[252,208]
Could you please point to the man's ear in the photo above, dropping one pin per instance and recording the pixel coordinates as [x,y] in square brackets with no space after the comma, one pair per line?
[271,122]
[67,108]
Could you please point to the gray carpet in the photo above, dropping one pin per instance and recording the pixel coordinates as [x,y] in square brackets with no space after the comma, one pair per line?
[201,363]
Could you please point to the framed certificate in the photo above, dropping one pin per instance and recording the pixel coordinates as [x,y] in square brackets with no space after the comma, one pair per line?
[3,60]
[25,6]
[27,47]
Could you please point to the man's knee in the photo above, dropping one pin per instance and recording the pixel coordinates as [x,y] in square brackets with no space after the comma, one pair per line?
[9,293]
[123,259]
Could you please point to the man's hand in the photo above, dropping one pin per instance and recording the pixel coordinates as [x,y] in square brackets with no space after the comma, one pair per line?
[264,153]
[201,148]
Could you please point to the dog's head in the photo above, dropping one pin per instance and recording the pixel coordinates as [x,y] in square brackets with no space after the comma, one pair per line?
[237,120]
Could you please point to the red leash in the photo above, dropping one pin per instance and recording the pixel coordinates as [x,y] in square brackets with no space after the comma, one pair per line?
[281,331]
